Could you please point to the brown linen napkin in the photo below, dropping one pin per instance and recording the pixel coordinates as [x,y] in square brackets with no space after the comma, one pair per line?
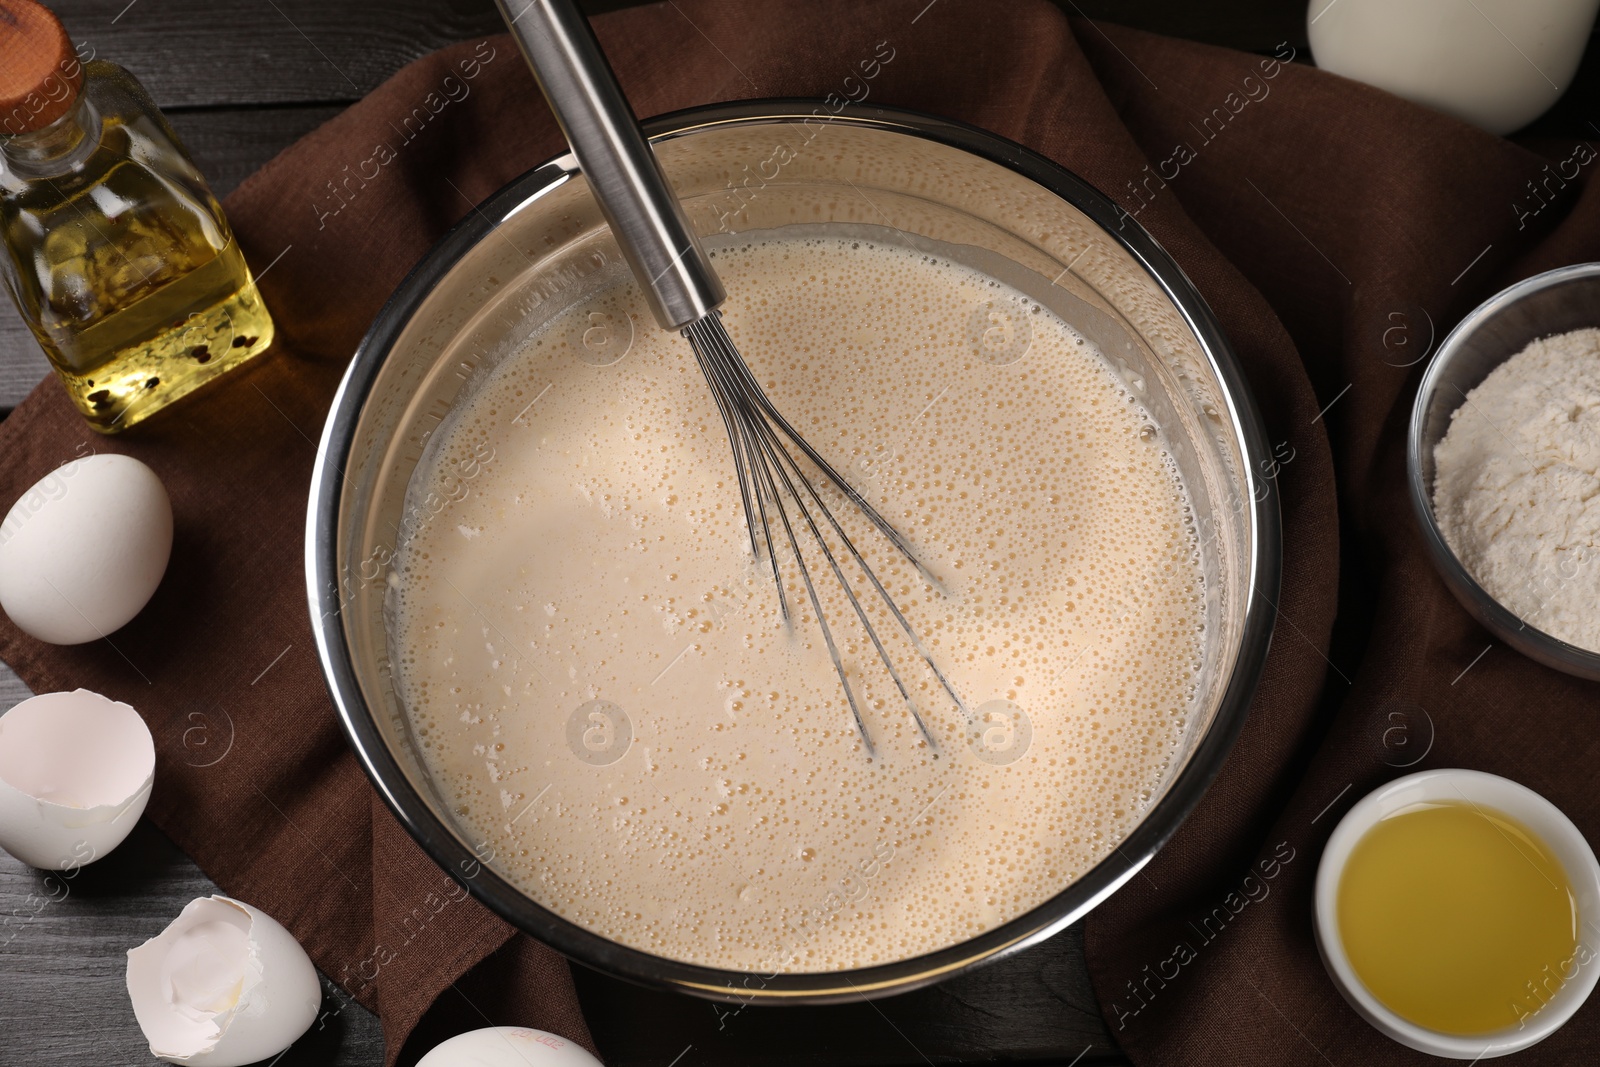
[1309,211]
[1370,226]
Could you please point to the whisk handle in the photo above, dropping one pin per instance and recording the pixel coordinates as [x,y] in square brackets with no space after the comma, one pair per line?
[645,215]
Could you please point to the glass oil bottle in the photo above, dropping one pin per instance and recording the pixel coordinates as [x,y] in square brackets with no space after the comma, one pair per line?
[120,259]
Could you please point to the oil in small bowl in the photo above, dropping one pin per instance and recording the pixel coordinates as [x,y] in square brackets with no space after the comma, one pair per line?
[1457,917]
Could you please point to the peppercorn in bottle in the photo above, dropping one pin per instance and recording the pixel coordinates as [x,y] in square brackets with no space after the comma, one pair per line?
[118,256]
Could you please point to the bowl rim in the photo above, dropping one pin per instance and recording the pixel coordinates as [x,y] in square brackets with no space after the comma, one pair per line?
[1498,619]
[1541,816]
[1259,506]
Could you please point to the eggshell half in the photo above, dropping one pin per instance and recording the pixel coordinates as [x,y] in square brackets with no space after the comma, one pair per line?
[82,551]
[75,774]
[223,985]
[508,1046]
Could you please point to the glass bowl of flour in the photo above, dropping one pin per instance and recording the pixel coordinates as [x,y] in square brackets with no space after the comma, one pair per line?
[1504,466]
[559,662]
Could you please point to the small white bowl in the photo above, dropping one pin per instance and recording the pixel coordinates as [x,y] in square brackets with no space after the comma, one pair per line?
[1531,810]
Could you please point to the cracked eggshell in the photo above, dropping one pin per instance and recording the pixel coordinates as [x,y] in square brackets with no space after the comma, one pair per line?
[82,551]
[223,985]
[75,774]
[508,1046]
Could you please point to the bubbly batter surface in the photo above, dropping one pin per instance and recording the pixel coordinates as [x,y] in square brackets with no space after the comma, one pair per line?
[599,680]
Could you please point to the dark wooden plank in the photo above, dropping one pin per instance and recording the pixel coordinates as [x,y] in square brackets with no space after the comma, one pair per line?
[196,52]
[12,690]
[199,52]
[1036,1007]
[63,998]
[230,144]
[202,53]
[21,362]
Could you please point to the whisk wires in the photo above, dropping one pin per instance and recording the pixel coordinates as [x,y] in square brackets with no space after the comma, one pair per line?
[774,490]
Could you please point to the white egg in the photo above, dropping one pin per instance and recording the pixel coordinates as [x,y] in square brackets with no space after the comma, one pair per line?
[223,985]
[75,774]
[83,550]
[508,1046]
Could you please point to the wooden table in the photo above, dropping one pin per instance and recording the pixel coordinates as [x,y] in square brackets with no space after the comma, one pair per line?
[240,80]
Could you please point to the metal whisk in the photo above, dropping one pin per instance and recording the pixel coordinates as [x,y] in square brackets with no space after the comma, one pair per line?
[684,292]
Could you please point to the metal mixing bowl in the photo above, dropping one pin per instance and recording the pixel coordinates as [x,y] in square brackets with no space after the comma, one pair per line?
[539,244]
[1556,301]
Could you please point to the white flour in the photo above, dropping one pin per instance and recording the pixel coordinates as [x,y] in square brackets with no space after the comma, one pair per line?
[1517,485]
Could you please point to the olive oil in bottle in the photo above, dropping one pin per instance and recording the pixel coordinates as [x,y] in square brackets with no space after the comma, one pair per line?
[118,256]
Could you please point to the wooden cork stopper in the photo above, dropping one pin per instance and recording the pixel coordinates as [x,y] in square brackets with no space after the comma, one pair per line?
[39,69]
